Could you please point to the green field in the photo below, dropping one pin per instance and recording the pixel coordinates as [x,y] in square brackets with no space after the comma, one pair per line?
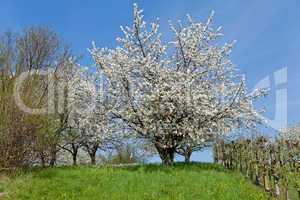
[195,181]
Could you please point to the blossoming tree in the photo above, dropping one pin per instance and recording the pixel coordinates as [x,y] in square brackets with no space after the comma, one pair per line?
[175,92]
[89,114]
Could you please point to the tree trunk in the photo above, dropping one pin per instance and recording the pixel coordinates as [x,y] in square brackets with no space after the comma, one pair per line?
[52,158]
[74,154]
[166,155]
[52,162]
[92,151]
[92,154]
[93,158]
[187,155]
[43,160]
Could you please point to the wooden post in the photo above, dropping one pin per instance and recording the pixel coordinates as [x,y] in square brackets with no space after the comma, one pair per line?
[277,188]
[284,189]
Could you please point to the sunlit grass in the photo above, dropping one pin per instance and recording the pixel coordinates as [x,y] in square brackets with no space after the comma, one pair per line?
[196,181]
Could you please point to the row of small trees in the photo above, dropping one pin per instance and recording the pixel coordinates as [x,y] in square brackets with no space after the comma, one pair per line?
[55,119]
[176,96]
[275,165]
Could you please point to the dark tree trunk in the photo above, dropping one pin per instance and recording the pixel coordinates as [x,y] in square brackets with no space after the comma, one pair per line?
[166,155]
[43,160]
[74,154]
[93,158]
[92,152]
[52,159]
[187,155]
[92,149]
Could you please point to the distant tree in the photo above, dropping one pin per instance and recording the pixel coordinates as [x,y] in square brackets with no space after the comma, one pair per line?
[68,78]
[90,116]
[71,142]
[128,153]
[187,148]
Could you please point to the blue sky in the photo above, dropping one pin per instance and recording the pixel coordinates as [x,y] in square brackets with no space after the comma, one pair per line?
[267,31]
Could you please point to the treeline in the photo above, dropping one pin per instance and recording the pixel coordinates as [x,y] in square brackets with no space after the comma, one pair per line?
[43,139]
[275,165]
[64,133]
[25,137]
[171,98]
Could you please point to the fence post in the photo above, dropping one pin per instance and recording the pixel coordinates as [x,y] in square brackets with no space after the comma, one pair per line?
[276,183]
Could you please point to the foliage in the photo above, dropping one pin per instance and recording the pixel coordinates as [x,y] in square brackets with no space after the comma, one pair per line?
[71,121]
[22,139]
[127,153]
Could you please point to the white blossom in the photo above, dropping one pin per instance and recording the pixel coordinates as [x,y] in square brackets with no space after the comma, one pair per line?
[182,90]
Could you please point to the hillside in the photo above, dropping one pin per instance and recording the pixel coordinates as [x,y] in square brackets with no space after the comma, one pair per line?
[196,181]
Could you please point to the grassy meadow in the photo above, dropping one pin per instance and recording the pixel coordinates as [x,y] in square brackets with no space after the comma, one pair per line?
[195,181]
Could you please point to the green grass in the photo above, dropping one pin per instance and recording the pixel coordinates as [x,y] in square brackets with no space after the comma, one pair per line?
[196,181]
